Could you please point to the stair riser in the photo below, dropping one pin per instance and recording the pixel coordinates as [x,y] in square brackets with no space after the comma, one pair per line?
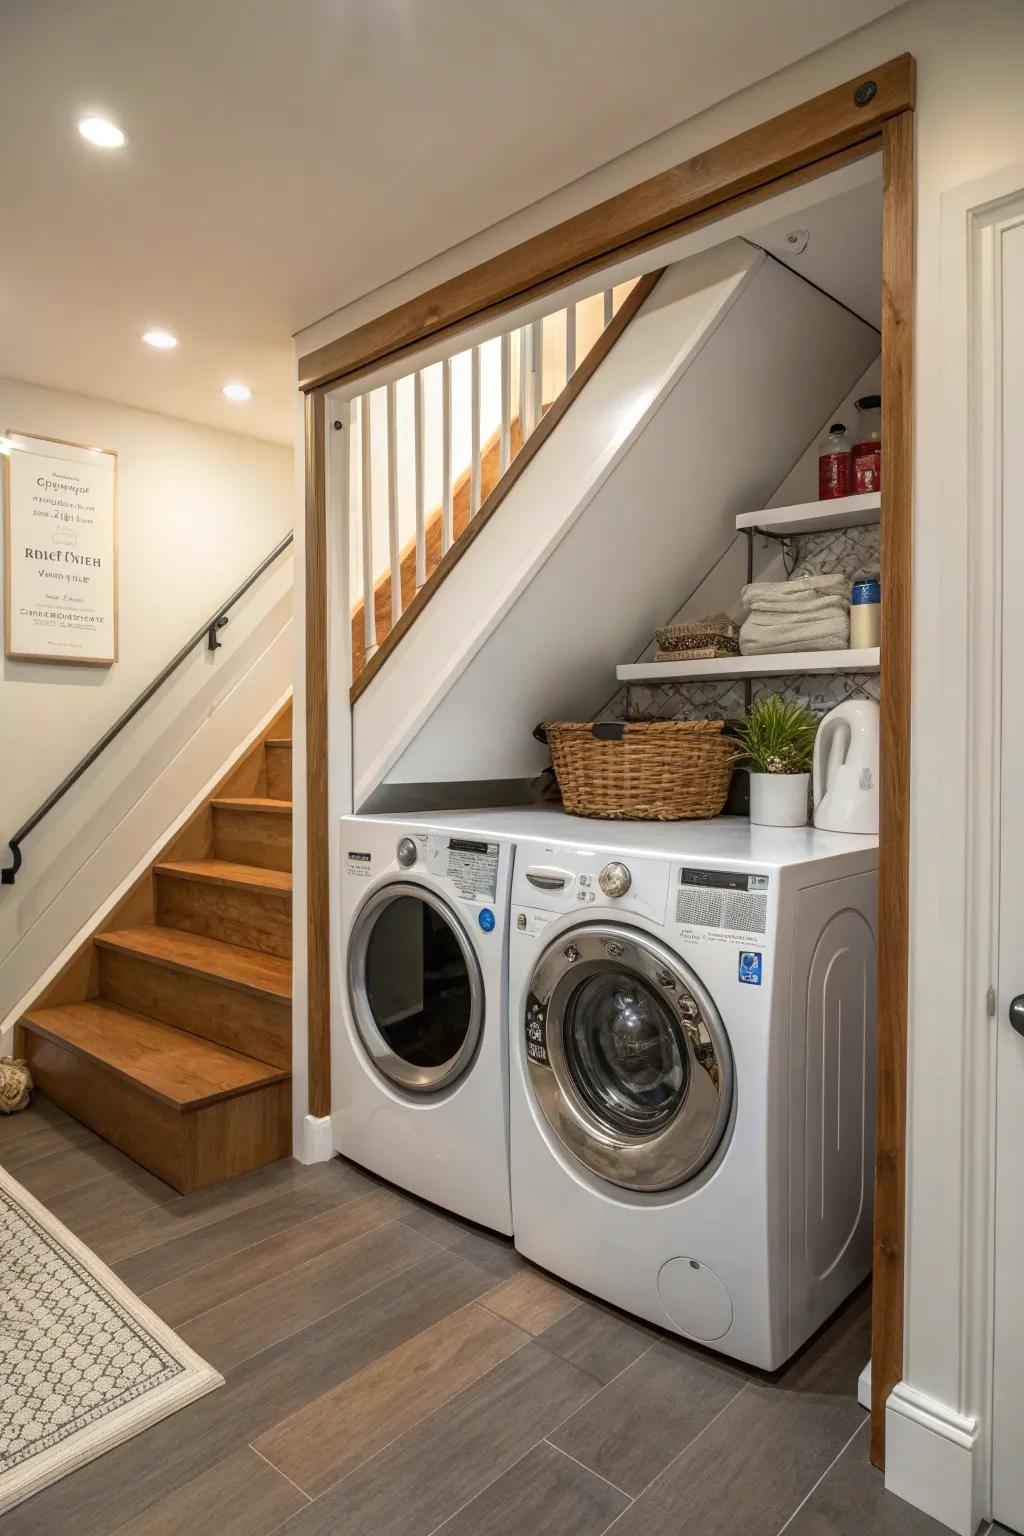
[255,919]
[263,838]
[279,772]
[259,1027]
[188,1151]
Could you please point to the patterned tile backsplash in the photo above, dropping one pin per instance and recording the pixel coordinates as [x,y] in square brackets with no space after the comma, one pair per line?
[853,552]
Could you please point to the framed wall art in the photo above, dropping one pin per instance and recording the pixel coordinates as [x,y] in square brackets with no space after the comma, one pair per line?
[60,550]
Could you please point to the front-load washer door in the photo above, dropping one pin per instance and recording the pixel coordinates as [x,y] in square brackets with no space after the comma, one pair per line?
[415,987]
[628,1057]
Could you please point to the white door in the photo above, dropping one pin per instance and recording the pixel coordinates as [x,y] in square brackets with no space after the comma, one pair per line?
[1008,1415]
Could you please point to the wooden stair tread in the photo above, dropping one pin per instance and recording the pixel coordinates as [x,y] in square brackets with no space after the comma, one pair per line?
[277,882]
[280,807]
[249,970]
[278,741]
[181,1069]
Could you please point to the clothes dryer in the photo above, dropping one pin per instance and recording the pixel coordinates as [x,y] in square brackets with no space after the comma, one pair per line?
[692,1042]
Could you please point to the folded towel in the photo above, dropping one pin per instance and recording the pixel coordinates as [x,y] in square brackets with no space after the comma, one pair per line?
[807,613]
[796,594]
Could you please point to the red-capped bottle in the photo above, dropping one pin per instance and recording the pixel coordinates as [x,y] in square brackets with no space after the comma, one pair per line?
[834,463]
[867,450]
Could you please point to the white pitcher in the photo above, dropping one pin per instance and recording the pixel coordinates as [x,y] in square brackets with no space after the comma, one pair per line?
[845,772]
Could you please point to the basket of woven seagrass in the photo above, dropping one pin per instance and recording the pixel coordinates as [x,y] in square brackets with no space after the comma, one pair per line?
[665,770]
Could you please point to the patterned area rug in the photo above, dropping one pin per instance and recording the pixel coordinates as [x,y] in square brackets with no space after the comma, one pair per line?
[83,1364]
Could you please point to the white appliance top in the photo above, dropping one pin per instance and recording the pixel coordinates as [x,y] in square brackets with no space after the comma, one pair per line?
[729,838]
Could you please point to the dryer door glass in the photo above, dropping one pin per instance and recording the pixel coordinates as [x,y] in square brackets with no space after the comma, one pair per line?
[627,1056]
[625,1052]
[415,987]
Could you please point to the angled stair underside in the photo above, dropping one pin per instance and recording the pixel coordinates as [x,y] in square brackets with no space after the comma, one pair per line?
[707,399]
[169,1030]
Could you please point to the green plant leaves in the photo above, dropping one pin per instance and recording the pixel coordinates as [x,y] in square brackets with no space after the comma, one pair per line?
[777,736]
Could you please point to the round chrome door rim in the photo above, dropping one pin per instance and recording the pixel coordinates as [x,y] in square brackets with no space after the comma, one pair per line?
[682,1147]
[405,1074]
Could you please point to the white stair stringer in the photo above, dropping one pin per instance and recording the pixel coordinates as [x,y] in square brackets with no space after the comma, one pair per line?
[702,406]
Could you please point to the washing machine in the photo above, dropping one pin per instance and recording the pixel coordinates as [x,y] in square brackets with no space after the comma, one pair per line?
[692,1046]
[419,1057]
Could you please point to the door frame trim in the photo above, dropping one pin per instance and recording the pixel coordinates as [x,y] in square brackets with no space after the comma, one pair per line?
[954,1479]
[792,148]
[887,1314]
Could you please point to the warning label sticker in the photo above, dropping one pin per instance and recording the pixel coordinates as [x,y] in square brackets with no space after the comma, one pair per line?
[471,865]
[358,864]
[531,921]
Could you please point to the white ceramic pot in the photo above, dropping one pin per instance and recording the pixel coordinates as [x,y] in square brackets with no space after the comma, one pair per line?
[779,799]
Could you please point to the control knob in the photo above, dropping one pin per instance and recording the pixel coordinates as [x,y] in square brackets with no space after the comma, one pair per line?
[615,879]
[407,852]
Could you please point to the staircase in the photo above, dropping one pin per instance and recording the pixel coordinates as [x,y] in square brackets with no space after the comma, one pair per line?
[514,388]
[169,1030]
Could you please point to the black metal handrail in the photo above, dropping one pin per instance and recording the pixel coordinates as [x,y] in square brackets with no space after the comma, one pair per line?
[209,630]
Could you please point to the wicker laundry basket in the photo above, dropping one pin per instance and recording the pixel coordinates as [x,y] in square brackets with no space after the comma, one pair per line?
[668,770]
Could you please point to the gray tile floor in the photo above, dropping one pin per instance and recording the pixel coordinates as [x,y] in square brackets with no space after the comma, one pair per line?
[391,1371]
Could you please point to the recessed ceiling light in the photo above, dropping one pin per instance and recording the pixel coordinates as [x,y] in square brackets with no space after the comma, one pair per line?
[162,339]
[101,133]
[237,391]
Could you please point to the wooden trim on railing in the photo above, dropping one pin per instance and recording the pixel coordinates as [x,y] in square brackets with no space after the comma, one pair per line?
[318,949]
[633,220]
[549,421]
[894,784]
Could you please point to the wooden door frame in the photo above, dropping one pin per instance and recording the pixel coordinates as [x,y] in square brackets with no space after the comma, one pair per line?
[872,112]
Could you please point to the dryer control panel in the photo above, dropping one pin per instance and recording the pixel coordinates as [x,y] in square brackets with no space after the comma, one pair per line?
[723,898]
[560,880]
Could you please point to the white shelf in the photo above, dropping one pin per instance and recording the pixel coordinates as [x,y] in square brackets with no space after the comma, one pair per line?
[816,516]
[751,666]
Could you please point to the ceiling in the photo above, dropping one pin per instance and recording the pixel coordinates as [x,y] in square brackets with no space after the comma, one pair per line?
[284,158]
[838,246]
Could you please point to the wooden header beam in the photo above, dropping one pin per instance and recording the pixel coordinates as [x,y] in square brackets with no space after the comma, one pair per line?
[633,220]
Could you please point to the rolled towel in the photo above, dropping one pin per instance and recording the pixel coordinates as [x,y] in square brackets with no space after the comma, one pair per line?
[807,613]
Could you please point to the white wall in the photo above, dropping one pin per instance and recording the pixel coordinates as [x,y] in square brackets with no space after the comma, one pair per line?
[719,590]
[969,123]
[199,509]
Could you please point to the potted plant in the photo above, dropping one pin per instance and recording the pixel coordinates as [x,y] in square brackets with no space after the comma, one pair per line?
[776,744]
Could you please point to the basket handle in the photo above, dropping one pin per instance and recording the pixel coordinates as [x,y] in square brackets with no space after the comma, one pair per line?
[602,730]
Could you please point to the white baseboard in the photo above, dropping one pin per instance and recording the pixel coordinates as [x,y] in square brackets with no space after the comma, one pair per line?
[930,1458]
[864,1387]
[317,1143]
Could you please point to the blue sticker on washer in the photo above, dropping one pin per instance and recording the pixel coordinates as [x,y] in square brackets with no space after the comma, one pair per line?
[750,967]
[486,919]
